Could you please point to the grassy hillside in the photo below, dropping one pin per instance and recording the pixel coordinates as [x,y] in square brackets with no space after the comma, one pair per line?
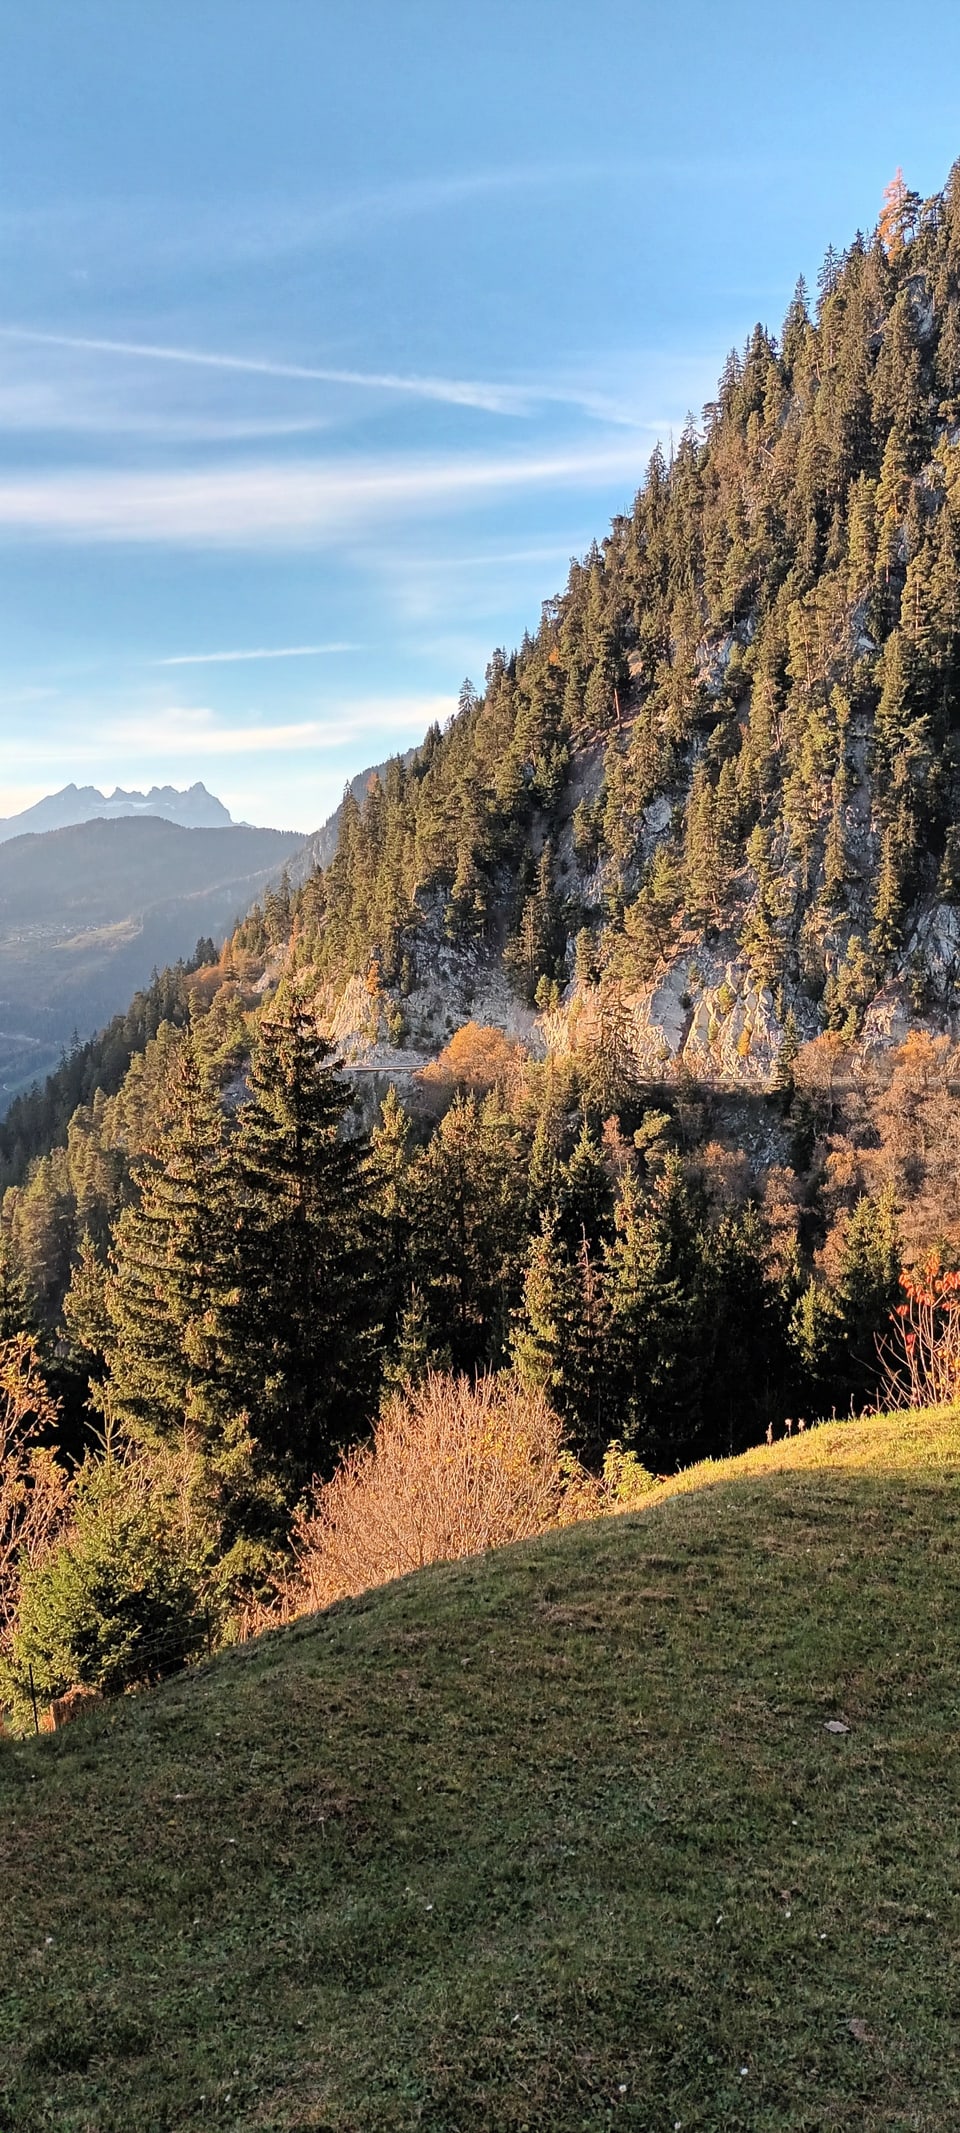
[557,1839]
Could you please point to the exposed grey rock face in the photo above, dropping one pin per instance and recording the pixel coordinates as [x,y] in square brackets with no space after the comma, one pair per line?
[887,1020]
[707,1018]
[936,939]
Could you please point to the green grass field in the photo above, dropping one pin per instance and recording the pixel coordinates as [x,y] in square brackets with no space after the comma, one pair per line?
[558,1838]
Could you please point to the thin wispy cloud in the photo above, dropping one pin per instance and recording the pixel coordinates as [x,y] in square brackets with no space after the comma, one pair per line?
[283,501]
[511,398]
[240,231]
[157,739]
[50,406]
[457,392]
[280,651]
[191,730]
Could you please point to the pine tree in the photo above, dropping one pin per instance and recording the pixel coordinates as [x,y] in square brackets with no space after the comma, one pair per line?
[169,1273]
[898,215]
[584,1194]
[86,1317]
[467,1210]
[17,1314]
[868,1287]
[559,1338]
[650,1281]
[414,1351]
[302,1317]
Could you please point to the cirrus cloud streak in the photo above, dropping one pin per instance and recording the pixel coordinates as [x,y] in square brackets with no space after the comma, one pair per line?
[281,651]
[295,501]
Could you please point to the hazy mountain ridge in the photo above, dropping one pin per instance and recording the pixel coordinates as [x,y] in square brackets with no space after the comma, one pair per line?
[194,808]
[88,911]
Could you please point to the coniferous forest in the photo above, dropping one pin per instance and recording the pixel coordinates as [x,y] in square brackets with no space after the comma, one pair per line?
[614,1052]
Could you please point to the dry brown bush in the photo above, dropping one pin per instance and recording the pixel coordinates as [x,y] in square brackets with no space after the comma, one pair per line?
[453,1468]
[34,1489]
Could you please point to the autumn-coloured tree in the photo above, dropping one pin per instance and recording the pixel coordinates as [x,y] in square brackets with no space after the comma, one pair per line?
[897,216]
[34,1488]
[478,1058]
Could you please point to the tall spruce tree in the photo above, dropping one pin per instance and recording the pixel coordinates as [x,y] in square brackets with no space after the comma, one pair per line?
[559,1339]
[169,1274]
[301,1322]
[467,1205]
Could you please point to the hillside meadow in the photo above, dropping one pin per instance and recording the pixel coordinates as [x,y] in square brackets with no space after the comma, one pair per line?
[566,1836]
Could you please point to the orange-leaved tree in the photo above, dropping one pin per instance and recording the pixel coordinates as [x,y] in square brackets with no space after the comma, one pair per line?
[478,1058]
[898,215]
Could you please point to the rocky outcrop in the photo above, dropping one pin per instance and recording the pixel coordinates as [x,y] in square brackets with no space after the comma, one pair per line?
[716,1024]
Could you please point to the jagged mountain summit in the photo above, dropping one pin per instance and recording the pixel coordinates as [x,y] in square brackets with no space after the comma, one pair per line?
[193,808]
[721,783]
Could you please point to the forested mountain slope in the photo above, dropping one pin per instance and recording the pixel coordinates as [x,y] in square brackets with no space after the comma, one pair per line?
[696,852]
[724,771]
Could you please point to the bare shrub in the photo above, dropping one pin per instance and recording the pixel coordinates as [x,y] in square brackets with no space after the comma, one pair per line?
[921,1352]
[34,1489]
[453,1468]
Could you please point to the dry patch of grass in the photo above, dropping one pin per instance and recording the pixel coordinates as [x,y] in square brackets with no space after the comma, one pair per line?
[557,1838]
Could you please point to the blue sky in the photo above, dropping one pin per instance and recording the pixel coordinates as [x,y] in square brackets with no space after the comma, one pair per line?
[327,337]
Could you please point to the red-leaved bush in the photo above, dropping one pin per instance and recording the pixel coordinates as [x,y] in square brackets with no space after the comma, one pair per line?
[921,1352]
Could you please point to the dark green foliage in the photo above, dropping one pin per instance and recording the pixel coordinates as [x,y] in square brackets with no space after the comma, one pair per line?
[171,1266]
[770,638]
[560,1341]
[836,1332]
[17,1313]
[300,1323]
[668,1334]
[688,1302]
[466,1209]
[118,1602]
[86,1315]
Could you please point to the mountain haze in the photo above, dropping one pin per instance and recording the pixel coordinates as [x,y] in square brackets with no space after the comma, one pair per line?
[88,911]
[195,808]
